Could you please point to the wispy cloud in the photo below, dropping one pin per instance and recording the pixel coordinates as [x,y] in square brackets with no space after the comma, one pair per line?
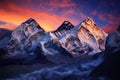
[109,18]
[83,16]
[94,12]
[9,26]
[2,23]
[109,29]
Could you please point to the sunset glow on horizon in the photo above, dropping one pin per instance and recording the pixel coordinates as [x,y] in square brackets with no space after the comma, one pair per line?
[51,13]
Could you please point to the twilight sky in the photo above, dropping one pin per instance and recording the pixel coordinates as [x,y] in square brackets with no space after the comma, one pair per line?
[51,13]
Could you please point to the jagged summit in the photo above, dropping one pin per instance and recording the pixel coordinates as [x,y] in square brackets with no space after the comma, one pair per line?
[27,29]
[29,25]
[30,21]
[66,25]
[90,25]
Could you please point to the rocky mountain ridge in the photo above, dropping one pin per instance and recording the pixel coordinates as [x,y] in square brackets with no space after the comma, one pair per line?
[84,39]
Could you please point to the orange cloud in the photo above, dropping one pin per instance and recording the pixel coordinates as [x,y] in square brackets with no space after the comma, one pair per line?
[17,15]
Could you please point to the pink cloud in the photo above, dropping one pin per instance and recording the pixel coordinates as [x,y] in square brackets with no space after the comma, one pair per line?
[101,17]
[68,12]
[94,13]
[61,3]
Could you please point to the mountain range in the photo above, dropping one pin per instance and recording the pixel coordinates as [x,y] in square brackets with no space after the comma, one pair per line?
[84,39]
[70,48]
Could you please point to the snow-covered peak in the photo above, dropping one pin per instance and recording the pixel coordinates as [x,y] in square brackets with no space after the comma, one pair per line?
[95,36]
[66,25]
[93,28]
[25,37]
[27,29]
